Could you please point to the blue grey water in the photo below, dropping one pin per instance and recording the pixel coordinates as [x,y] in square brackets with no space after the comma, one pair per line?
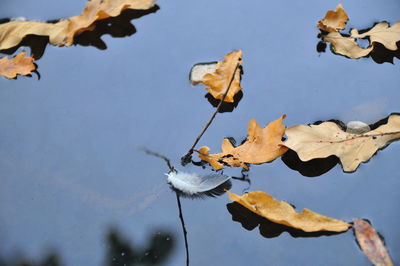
[69,165]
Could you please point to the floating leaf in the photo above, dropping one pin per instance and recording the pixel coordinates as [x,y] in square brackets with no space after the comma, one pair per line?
[283,213]
[334,20]
[371,244]
[18,65]
[346,46]
[381,33]
[217,75]
[193,185]
[262,145]
[63,32]
[323,140]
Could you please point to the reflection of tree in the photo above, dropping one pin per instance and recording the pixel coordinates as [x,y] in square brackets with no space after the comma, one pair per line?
[49,260]
[120,252]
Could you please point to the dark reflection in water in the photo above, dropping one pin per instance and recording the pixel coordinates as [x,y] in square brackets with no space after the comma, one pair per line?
[121,252]
[49,260]
[268,229]
[119,26]
[312,168]
[225,107]
[36,43]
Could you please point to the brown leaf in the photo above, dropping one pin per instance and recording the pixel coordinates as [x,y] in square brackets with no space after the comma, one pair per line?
[18,65]
[323,140]
[334,20]
[346,46]
[101,9]
[218,76]
[381,33]
[12,33]
[63,32]
[371,244]
[283,213]
[262,145]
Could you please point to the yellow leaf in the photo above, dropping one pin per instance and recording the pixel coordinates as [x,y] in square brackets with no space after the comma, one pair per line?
[283,213]
[371,244]
[218,76]
[346,46]
[12,33]
[334,20]
[262,145]
[101,9]
[19,64]
[326,139]
[63,32]
[381,33]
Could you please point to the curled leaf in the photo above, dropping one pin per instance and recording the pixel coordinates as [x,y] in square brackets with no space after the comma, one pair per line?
[217,76]
[283,213]
[262,145]
[320,141]
[371,244]
[381,33]
[334,20]
[18,65]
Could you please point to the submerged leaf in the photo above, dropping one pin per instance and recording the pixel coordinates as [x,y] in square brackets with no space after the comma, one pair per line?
[262,145]
[323,140]
[334,20]
[218,76]
[371,244]
[18,65]
[193,185]
[283,213]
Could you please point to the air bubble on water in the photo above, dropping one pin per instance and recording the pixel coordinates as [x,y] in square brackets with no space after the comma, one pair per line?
[123,254]
[147,253]
[168,238]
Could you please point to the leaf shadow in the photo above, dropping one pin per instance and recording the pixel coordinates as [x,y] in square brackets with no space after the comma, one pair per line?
[268,229]
[225,106]
[117,27]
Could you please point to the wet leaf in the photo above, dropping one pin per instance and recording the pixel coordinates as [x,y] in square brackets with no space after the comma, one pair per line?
[371,244]
[63,32]
[283,213]
[262,145]
[217,76]
[334,20]
[323,140]
[18,65]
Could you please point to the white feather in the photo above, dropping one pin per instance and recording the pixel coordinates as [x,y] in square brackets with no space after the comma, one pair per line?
[192,184]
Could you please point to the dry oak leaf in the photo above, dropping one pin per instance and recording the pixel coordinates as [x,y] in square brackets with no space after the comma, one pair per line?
[101,9]
[12,33]
[346,46]
[18,65]
[218,76]
[381,33]
[283,213]
[371,244]
[334,20]
[262,145]
[63,32]
[326,139]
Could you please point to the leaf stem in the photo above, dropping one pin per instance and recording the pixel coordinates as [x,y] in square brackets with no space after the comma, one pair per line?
[183,228]
[188,157]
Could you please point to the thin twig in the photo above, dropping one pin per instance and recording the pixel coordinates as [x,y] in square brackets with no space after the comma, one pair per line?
[188,157]
[171,168]
[183,228]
